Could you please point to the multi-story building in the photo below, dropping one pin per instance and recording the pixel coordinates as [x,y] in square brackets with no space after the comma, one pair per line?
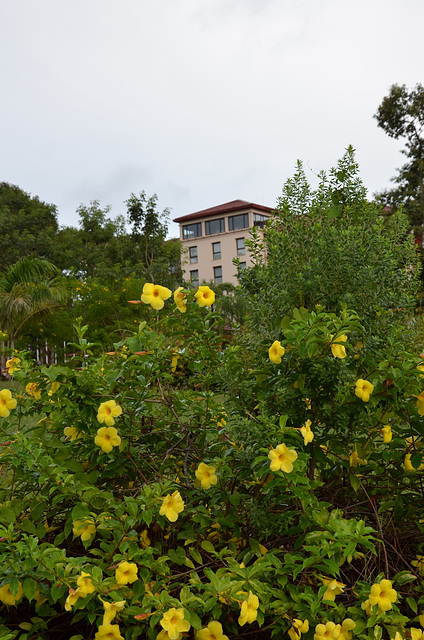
[213,237]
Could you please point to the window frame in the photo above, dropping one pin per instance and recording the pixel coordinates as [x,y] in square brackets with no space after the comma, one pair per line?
[194,259]
[216,255]
[241,251]
[231,220]
[197,233]
[217,279]
[208,232]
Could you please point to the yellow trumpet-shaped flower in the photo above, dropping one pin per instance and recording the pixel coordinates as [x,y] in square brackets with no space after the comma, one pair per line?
[111,609]
[7,597]
[354,459]
[334,589]
[126,573]
[383,595]
[386,432]
[212,632]
[73,596]
[107,438]
[338,350]
[180,300]
[419,563]
[7,403]
[282,458]
[276,351]
[108,632]
[173,623]
[364,389]
[409,466]
[307,433]
[84,528]
[13,364]
[420,403]
[33,390]
[205,296]
[327,631]
[206,475]
[249,610]
[298,627]
[172,505]
[155,295]
[72,433]
[85,584]
[416,634]
[348,625]
[108,411]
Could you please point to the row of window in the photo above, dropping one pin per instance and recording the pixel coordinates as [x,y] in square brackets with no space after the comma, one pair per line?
[212,227]
[217,274]
[216,250]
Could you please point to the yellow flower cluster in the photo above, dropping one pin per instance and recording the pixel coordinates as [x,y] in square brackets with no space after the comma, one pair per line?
[338,350]
[108,632]
[212,632]
[7,597]
[33,390]
[13,364]
[84,588]
[332,631]
[364,389]
[84,528]
[7,403]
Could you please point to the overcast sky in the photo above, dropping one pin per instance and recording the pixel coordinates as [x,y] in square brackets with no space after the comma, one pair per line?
[199,101]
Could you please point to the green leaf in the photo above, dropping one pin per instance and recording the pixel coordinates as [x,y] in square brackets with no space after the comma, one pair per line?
[6,515]
[207,546]
[412,604]
[29,586]
[195,555]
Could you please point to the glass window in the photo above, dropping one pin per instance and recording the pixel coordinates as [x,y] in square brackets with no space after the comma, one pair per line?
[217,275]
[194,276]
[193,254]
[192,230]
[242,265]
[214,226]
[259,220]
[216,250]
[238,222]
[241,247]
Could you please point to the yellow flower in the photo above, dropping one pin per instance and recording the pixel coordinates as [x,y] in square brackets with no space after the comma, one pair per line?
[275,352]
[419,563]
[366,606]
[155,295]
[73,596]
[7,403]
[416,634]
[364,389]
[420,403]
[144,539]
[298,627]
[408,464]
[206,475]
[7,597]
[354,459]
[383,595]
[163,635]
[173,622]
[174,362]
[307,433]
[282,458]
[212,632]
[172,505]
[348,625]
[108,411]
[107,438]
[111,609]
[249,610]
[338,350]
[327,631]
[13,365]
[108,632]
[72,433]
[334,589]
[386,432]
[85,585]
[84,528]
[205,296]
[126,573]
[180,300]
[54,387]
[33,390]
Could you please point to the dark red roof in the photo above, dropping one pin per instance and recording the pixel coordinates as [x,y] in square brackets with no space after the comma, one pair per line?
[228,207]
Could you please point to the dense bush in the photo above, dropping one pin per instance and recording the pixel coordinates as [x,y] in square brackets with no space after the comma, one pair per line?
[140,499]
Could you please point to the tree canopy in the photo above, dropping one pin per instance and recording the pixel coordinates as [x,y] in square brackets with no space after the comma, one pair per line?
[401,116]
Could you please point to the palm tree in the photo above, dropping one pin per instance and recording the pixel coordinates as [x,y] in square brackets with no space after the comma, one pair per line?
[27,288]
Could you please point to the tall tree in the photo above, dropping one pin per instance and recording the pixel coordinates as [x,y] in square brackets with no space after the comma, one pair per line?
[401,116]
[28,226]
[148,226]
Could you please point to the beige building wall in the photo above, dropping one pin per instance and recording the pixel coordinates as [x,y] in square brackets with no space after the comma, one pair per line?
[208,261]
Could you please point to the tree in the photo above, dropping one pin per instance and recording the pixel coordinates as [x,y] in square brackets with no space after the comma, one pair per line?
[28,226]
[148,226]
[401,116]
[27,288]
